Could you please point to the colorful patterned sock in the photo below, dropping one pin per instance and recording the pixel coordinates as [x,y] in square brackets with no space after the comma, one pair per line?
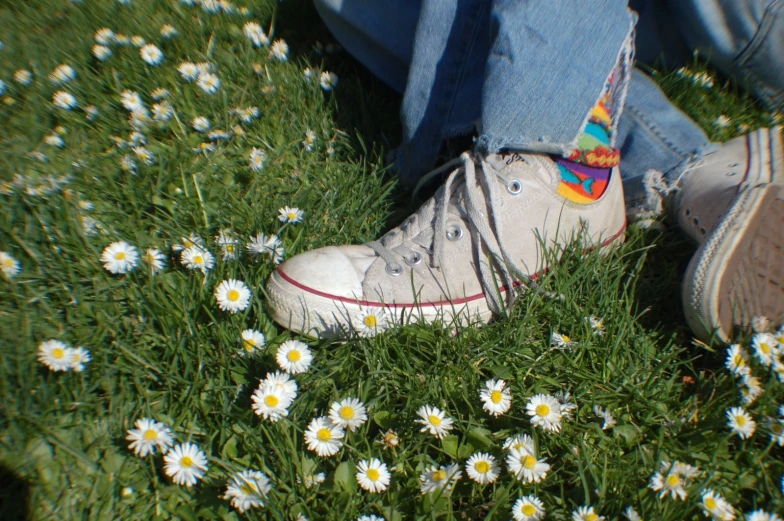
[586,173]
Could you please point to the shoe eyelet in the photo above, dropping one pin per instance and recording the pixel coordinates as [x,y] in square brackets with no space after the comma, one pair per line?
[696,221]
[703,230]
[514,187]
[731,174]
[415,259]
[407,223]
[687,212]
[396,271]
[455,233]
[733,164]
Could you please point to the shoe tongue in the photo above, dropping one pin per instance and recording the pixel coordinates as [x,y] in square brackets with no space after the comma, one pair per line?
[517,165]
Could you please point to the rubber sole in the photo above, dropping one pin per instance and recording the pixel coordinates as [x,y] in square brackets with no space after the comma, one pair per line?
[738,273]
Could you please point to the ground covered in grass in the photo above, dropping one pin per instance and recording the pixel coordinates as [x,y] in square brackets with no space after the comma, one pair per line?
[115,150]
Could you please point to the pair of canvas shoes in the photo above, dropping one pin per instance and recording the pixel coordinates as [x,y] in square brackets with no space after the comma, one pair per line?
[464,254]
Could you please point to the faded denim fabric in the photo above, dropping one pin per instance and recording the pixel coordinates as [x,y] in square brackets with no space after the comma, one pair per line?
[524,74]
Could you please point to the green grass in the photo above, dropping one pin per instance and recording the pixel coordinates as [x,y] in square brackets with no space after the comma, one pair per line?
[161,348]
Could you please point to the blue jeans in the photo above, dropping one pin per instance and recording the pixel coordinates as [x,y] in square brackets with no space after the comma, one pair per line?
[523,75]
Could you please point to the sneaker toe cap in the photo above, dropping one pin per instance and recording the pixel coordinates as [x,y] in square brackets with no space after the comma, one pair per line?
[329,272]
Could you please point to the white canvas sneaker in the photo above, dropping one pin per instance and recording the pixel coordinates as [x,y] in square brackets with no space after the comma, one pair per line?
[459,257]
[732,205]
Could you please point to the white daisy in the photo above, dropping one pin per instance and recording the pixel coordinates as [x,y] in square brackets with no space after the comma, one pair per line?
[528,508]
[160,94]
[148,436]
[496,397]
[185,464]
[752,388]
[144,155]
[128,164]
[205,67]
[290,215]
[716,507]
[8,265]
[741,422]
[271,402]
[248,489]
[23,77]
[597,325]
[434,420]
[567,405]
[257,158]
[154,259]
[279,50]
[737,360]
[373,475]
[218,135]
[776,430]
[370,517]
[312,480]
[370,322]
[349,413]
[137,139]
[229,245]
[482,468]
[119,257]
[672,479]
[196,258]
[255,34]
[252,341]
[545,412]
[168,31]
[104,36]
[609,419]
[269,245]
[62,74]
[54,140]
[779,334]
[324,437]
[526,467]
[722,121]
[282,382]
[232,295]
[631,514]
[79,357]
[64,100]
[208,82]
[131,100]
[188,71]
[201,124]
[586,514]
[307,73]
[310,141]
[761,515]
[55,355]
[765,347]
[138,41]
[559,341]
[294,356]
[328,81]
[439,479]
[101,52]
[139,118]
[121,39]
[521,443]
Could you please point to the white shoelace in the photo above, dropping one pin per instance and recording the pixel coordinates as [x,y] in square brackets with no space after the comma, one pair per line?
[479,190]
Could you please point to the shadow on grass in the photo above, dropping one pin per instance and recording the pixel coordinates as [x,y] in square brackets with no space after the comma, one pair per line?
[14,496]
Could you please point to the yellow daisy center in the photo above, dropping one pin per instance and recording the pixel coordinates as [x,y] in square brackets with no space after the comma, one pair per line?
[148,258]
[293,356]
[566,338]
[120,255]
[673,480]
[591,517]
[439,475]
[496,397]
[198,259]
[347,412]
[529,462]
[542,410]
[250,345]
[740,420]
[765,348]
[738,360]
[776,428]
[528,509]
[291,215]
[271,400]
[710,503]
[150,434]
[233,295]
[324,434]
[373,474]
[434,420]
[77,358]
[247,489]
[230,248]
[370,321]
[7,263]
[482,467]
[58,352]
[186,462]
[187,243]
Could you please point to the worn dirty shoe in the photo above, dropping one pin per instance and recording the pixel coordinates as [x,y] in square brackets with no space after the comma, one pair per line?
[458,258]
[732,205]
